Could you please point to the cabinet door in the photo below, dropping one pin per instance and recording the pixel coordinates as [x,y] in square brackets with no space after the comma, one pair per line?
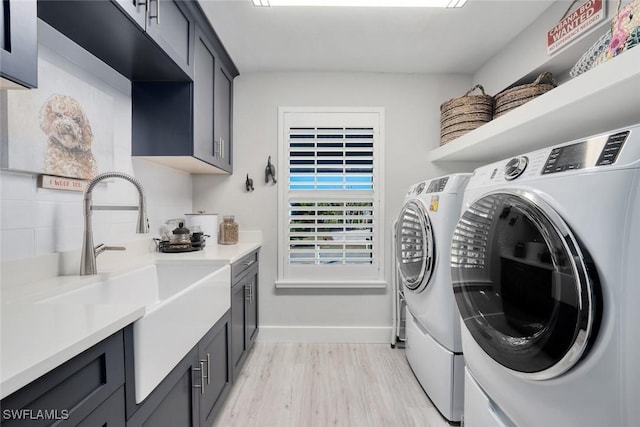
[238,330]
[172,28]
[176,400]
[215,356]
[203,111]
[223,105]
[251,310]
[18,43]
[109,414]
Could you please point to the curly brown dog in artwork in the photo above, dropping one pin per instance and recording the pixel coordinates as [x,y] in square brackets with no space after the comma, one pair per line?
[69,141]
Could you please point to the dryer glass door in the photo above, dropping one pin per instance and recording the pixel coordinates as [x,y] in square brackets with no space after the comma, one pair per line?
[525,288]
[414,246]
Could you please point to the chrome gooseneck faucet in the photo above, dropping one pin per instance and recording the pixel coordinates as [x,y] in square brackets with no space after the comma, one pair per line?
[89,252]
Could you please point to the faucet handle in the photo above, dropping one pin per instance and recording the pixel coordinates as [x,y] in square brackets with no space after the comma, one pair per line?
[102,247]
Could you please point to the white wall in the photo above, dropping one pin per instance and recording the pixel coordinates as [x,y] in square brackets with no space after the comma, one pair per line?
[38,221]
[412,114]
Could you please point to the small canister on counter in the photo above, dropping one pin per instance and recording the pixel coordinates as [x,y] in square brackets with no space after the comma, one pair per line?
[228,234]
[208,223]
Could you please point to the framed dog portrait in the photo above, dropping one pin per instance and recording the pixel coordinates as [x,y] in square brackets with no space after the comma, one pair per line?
[62,128]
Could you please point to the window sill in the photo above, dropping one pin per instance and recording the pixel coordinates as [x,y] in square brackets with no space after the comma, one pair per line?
[333,284]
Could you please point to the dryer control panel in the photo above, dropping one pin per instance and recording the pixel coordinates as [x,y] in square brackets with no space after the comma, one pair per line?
[437,185]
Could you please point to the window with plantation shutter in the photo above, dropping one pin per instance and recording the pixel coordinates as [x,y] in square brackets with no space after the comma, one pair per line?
[330,199]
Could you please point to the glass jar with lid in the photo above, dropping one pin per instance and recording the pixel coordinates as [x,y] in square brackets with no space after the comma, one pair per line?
[228,234]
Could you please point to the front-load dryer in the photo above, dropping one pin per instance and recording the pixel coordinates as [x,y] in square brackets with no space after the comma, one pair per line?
[423,238]
[545,267]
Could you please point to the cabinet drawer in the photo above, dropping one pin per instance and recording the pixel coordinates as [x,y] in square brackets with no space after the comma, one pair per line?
[109,414]
[239,267]
[72,391]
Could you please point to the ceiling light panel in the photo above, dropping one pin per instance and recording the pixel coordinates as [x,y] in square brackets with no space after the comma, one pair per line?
[363,3]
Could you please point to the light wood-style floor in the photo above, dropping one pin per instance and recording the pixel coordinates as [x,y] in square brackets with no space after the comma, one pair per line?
[317,385]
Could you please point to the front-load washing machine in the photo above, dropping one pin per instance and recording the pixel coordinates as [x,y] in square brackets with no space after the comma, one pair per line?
[423,238]
[545,261]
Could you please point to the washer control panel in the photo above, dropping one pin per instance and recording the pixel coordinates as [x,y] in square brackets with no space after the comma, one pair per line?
[595,152]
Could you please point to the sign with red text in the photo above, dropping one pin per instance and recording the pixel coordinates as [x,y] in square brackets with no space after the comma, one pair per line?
[576,23]
[58,183]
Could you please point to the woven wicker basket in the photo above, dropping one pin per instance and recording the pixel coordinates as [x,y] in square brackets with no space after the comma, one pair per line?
[512,98]
[461,115]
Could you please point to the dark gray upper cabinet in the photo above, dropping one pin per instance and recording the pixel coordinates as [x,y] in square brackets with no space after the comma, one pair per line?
[203,99]
[128,35]
[136,9]
[18,43]
[182,83]
[212,93]
[223,119]
[187,125]
[171,26]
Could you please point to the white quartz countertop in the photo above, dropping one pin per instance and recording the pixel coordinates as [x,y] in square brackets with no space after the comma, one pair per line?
[228,253]
[36,338]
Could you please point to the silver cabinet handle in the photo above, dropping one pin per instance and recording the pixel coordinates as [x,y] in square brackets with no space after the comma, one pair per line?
[202,376]
[247,295]
[220,143]
[208,368]
[248,263]
[250,287]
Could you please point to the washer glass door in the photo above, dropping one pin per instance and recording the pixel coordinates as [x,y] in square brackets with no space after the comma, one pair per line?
[524,287]
[414,246]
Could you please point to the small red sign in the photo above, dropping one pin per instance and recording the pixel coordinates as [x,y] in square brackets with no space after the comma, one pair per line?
[60,183]
[588,14]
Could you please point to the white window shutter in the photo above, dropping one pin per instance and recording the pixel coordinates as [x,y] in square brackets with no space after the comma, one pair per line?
[330,210]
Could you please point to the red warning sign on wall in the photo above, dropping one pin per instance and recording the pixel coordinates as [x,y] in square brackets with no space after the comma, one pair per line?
[576,23]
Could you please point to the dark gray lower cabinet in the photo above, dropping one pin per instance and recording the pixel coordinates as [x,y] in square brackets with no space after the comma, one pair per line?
[214,355]
[86,390]
[97,387]
[109,414]
[244,309]
[174,402]
[192,393]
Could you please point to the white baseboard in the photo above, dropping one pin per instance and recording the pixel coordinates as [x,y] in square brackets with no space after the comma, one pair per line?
[324,334]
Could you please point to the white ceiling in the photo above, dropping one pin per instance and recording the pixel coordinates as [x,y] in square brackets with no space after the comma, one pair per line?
[406,40]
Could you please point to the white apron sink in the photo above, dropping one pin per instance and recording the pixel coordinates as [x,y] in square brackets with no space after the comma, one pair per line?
[182,302]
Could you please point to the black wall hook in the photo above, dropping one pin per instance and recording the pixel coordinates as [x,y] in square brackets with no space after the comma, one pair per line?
[270,172]
[249,183]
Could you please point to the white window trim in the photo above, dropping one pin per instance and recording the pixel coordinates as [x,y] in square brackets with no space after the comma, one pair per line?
[348,282]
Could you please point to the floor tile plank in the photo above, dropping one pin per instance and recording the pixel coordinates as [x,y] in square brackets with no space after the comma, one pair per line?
[317,385]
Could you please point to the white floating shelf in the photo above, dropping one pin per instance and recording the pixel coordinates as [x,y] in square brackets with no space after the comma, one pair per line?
[604,98]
